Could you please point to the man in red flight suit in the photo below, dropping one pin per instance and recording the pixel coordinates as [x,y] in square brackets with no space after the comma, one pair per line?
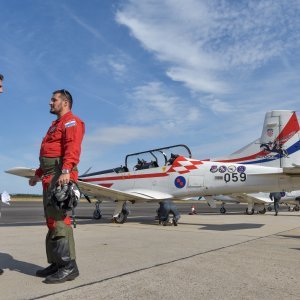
[59,156]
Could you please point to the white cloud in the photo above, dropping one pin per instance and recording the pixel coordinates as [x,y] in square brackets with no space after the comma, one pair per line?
[155,103]
[201,42]
[118,135]
[153,111]
[118,67]
[117,64]
[217,106]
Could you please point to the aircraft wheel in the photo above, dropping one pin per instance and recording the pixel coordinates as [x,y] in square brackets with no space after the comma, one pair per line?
[270,208]
[222,210]
[97,214]
[297,208]
[289,208]
[251,212]
[263,211]
[121,218]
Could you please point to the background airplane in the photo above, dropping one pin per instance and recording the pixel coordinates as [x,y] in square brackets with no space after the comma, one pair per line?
[259,202]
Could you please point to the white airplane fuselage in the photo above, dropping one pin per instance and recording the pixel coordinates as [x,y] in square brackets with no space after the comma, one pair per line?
[191,178]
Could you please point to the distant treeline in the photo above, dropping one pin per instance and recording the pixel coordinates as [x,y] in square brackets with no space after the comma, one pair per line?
[26,195]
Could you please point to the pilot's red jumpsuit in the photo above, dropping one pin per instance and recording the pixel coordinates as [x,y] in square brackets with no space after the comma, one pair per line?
[60,150]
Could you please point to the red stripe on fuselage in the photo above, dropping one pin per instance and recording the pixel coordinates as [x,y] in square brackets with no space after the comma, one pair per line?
[135,176]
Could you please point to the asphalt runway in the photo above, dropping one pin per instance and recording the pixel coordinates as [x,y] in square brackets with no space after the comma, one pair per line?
[208,256]
[28,213]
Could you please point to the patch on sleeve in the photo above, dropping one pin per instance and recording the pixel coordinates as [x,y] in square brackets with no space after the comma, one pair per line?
[70,123]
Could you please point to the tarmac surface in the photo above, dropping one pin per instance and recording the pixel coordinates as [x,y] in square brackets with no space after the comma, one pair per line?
[208,256]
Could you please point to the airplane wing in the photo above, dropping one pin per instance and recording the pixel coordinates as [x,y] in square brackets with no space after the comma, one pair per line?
[103,192]
[21,171]
[99,191]
[254,198]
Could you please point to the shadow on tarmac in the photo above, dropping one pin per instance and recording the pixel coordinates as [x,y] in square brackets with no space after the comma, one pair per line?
[290,236]
[8,262]
[228,227]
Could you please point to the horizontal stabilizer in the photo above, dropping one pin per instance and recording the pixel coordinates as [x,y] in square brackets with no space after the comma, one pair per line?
[21,171]
[252,198]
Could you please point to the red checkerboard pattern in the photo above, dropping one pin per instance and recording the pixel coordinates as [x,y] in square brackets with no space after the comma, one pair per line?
[183,165]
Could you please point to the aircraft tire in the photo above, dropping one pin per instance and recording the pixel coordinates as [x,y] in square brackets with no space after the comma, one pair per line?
[263,211]
[97,214]
[297,208]
[223,210]
[270,208]
[251,212]
[121,218]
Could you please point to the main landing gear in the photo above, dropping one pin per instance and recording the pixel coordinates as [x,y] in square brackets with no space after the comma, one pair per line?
[295,208]
[121,213]
[249,211]
[222,209]
[260,208]
[262,211]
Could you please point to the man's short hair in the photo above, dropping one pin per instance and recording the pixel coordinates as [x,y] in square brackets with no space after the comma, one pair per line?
[66,94]
[1,77]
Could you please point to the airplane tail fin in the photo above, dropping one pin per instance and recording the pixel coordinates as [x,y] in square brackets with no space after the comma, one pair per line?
[278,146]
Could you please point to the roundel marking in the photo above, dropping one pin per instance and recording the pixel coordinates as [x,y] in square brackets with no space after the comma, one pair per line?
[180,182]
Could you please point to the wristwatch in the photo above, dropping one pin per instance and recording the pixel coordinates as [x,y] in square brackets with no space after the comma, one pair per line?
[65,171]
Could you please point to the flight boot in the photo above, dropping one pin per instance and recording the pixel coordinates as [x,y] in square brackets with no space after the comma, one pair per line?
[66,273]
[51,269]
[1,271]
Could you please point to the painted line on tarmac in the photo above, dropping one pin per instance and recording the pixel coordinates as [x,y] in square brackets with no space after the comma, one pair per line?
[161,264]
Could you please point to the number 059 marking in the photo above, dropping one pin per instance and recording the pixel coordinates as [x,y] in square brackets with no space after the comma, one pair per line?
[234,177]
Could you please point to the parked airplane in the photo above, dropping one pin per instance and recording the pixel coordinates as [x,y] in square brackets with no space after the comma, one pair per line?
[178,177]
[260,202]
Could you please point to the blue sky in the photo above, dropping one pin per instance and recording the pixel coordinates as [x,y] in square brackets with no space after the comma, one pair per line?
[144,74]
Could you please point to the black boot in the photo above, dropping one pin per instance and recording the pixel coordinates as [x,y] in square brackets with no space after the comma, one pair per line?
[66,273]
[53,268]
[1,271]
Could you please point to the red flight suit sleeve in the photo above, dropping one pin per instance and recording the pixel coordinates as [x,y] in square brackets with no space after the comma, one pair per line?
[72,139]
